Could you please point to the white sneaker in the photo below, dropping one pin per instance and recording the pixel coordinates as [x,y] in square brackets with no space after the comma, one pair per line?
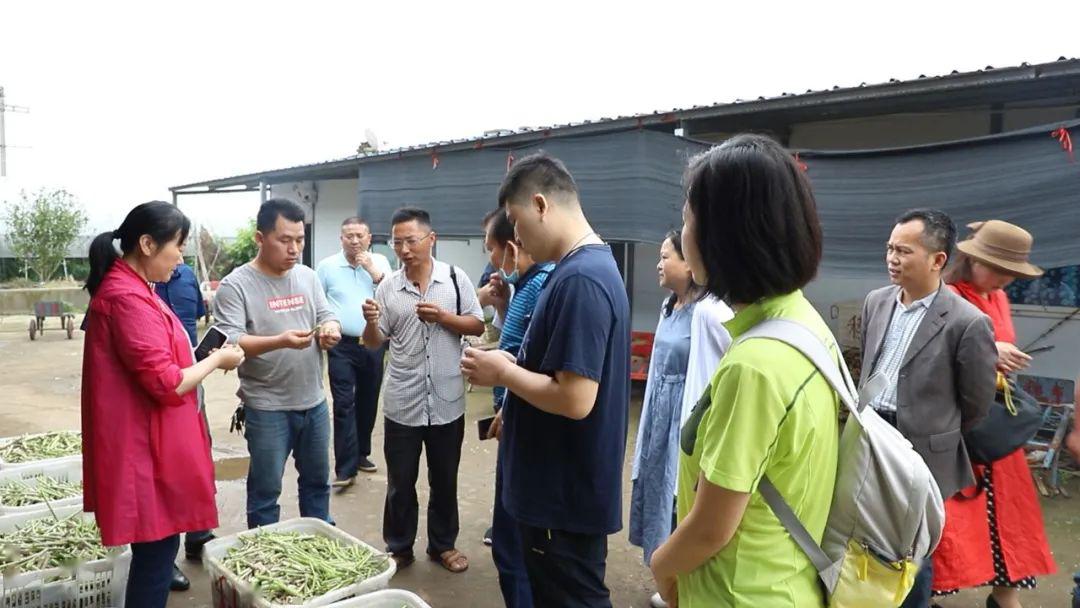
[657,602]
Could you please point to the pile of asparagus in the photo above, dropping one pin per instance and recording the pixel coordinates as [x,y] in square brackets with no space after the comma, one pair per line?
[22,493]
[50,542]
[293,567]
[31,448]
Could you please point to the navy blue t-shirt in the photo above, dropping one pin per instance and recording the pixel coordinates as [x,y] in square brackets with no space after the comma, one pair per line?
[558,473]
[183,296]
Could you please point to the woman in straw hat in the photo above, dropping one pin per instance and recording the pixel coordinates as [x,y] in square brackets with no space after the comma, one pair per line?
[996,538]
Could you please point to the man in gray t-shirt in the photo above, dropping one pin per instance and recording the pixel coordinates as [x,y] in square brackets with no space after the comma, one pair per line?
[275,309]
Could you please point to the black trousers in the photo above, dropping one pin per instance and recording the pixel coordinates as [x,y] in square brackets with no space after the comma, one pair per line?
[356,375]
[151,572]
[565,569]
[402,446]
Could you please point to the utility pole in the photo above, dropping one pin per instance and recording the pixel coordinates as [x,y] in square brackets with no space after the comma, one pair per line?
[3,135]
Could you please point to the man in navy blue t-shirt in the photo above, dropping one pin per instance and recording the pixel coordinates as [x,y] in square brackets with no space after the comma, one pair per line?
[183,296]
[565,417]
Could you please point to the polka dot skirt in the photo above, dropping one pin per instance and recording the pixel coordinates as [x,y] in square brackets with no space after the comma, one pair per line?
[1001,576]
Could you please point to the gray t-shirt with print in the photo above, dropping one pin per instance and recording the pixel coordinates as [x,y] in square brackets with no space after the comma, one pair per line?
[249,302]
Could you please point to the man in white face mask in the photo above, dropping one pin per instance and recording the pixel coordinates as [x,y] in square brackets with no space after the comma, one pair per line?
[512,290]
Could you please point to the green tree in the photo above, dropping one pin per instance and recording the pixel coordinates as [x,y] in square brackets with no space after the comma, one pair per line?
[41,227]
[243,249]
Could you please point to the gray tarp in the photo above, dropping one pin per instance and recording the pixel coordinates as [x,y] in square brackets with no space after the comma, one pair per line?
[1024,177]
[630,186]
[630,183]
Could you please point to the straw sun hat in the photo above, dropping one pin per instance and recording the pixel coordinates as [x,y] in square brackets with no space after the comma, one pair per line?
[1004,246]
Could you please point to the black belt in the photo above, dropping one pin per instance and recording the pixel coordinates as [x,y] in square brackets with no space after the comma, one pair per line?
[351,339]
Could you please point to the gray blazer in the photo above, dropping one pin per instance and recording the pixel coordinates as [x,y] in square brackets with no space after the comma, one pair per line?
[947,380]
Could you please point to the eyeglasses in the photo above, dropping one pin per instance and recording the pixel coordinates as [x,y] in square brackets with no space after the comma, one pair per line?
[410,242]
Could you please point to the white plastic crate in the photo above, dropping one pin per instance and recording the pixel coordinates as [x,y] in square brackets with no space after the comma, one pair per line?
[97,584]
[228,591]
[62,471]
[6,466]
[387,598]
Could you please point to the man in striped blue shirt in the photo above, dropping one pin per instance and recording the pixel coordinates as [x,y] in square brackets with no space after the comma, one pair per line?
[517,271]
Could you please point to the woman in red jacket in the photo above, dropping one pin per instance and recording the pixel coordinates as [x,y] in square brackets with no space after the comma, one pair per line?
[995,538]
[147,473]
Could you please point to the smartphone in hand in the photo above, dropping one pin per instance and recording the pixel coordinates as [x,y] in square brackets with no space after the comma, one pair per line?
[212,340]
[484,426]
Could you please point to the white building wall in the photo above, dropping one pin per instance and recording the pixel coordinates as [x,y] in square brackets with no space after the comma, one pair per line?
[337,200]
[467,254]
[647,295]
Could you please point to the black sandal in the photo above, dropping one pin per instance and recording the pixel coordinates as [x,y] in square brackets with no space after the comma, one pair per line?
[403,560]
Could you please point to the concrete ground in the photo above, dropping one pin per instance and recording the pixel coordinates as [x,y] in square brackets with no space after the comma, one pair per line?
[40,383]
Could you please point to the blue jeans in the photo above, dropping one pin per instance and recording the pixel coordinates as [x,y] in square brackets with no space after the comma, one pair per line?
[356,375]
[151,572]
[921,592]
[507,554]
[271,437]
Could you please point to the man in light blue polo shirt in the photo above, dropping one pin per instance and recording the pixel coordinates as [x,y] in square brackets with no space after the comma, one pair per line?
[349,277]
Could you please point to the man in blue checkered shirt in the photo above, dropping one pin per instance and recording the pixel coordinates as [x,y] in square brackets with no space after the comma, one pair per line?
[513,291]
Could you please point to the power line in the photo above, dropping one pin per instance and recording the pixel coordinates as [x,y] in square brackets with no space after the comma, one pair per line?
[4,108]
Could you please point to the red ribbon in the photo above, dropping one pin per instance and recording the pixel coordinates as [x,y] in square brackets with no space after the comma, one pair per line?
[509,160]
[801,164]
[1062,135]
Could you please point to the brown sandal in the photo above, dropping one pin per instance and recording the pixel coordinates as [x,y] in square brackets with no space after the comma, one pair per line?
[453,560]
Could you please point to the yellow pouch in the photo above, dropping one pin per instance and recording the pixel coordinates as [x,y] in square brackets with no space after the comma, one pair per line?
[867,581]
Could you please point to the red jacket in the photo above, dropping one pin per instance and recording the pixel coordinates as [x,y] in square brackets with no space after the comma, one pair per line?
[965,556]
[147,472]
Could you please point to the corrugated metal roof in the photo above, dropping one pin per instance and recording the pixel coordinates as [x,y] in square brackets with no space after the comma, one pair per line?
[815,100]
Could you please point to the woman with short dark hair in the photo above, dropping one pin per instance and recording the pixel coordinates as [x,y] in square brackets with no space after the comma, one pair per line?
[751,236]
[147,473]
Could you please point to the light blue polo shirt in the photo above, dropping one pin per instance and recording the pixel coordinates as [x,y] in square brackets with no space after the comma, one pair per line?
[347,287]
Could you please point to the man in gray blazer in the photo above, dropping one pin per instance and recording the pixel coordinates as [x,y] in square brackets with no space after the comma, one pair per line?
[937,352]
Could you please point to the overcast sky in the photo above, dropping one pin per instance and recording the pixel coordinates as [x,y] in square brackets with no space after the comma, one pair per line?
[127,99]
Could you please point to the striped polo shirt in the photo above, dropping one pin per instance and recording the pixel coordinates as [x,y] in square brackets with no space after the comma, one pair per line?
[519,313]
